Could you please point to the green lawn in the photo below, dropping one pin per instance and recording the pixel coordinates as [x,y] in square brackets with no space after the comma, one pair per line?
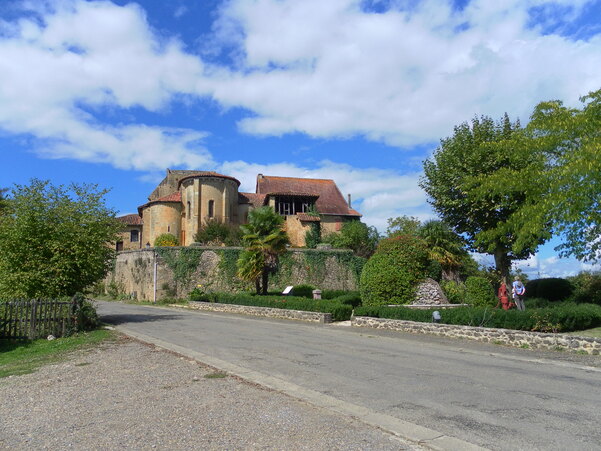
[596,332]
[27,356]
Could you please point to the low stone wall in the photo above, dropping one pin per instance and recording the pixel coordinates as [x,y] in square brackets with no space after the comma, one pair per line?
[518,338]
[314,317]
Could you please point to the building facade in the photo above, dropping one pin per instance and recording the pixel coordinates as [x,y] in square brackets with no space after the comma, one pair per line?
[186,200]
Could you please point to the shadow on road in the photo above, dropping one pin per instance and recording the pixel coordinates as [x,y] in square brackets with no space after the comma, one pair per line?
[136,318]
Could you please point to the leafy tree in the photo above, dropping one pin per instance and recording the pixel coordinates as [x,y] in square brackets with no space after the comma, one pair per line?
[53,242]
[556,167]
[264,239]
[445,246]
[216,233]
[478,150]
[3,201]
[355,235]
[403,225]
[165,240]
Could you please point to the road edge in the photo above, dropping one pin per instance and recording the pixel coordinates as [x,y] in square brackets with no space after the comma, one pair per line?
[404,429]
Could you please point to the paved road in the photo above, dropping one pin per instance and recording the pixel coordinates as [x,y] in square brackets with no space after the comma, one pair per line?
[488,395]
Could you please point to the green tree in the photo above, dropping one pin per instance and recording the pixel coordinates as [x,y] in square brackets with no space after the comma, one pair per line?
[3,201]
[402,225]
[355,235]
[445,247]
[479,150]
[556,166]
[54,240]
[264,239]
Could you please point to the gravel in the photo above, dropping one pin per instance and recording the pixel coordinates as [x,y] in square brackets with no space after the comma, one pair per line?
[129,395]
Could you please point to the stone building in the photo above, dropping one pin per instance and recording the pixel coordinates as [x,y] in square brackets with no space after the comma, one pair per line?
[186,200]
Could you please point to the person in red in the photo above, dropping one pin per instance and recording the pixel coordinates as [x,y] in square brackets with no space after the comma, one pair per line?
[503,295]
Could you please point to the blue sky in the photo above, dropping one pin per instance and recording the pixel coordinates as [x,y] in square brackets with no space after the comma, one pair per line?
[359,91]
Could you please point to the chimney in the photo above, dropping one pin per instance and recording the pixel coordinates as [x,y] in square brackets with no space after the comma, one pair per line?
[349,201]
[259,176]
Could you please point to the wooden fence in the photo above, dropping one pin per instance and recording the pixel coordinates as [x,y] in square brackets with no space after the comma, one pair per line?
[34,318]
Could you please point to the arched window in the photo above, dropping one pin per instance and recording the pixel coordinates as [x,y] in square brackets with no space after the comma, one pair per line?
[189,211]
[211,208]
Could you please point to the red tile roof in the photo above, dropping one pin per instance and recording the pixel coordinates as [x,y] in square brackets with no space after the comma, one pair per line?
[175,197]
[256,200]
[208,174]
[330,200]
[308,218]
[132,219]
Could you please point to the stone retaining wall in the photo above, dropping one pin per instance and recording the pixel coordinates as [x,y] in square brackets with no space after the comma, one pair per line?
[314,317]
[518,338]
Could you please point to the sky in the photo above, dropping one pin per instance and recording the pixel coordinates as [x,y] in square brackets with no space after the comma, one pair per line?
[362,92]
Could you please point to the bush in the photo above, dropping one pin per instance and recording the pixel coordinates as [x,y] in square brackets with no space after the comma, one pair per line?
[564,318]
[553,289]
[217,233]
[199,294]
[313,236]
[479,292]
[304,291]
[454,291]
[339,311]
[587,287]
[352,299]
[390,276]
[355,235]
[166,239]
[83,314]
[434,270]
[332,294]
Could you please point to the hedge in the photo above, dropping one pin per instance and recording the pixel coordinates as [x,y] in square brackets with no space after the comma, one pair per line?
[553,289]
[339,311]
[563,318]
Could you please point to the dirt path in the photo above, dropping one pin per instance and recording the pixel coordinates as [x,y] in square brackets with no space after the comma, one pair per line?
[128,395]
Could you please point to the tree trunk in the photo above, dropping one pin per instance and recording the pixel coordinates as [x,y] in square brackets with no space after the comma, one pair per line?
[502,264]
[265,279]
[258,285]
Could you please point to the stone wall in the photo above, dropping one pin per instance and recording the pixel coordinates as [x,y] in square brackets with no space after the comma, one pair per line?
[181,269]
[314,317]
[518,338]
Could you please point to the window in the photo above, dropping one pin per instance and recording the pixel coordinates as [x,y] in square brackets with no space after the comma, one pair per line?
[119,246]
[134,236]
[291,205]
[189,211]
[211,208]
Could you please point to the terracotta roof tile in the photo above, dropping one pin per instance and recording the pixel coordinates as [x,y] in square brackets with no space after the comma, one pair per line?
[330,200]
[133,219]
[173,197]
[256,200]
[308,218]
[208,174]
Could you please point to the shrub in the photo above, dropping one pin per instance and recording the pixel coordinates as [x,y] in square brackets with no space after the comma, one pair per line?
[564,318]
[339,311]
[587,287]
[352,299]
[83,314]
[434,270]
[305,291]
[479,292]
[216,233]
[313,236]
[392,273]
[355,235]
[199,294]
[553,289]
[331,294]
[454,291]
[166,239]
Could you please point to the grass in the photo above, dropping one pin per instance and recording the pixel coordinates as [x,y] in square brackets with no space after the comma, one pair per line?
[217,375]
[23,357]
[595,333]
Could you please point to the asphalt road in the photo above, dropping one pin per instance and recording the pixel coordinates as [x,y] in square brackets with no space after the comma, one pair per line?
[495,397]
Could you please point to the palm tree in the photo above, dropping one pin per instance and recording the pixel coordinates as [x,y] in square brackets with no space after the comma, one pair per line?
[446,247]
[264,239]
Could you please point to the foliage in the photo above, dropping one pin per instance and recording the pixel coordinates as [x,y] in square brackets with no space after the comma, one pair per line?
[553,289]
[54,240]
[351,298]
[216,233]
[455,292]
[264,239]
[201,294]
[83,314]
[564,318]
[166,240]
[390,276]
[479,292]
[555,165]
[304,291]
[402,225]
[313,235]
[331,294]
[355,235]
[478,150]
[3,201]
[339,311]
[587,287]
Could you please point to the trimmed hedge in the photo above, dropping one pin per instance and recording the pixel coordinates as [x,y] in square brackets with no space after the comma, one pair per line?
[479,292]
[563,318]
[552,289]
[339,311]
[303,291]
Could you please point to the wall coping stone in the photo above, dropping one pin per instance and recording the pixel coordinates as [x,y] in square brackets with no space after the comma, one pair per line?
[268,312]
[518,338]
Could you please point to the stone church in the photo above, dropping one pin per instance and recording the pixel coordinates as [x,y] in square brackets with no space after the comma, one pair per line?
[186,200]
